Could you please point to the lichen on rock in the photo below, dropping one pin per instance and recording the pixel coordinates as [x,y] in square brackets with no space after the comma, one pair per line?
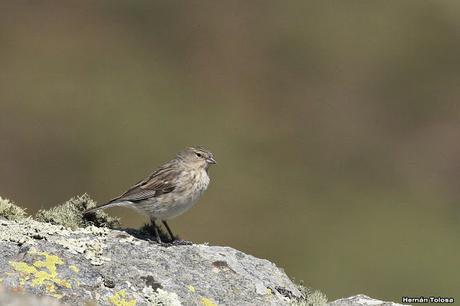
[79,263]
[310,297]
[11,211]
[161,297]
[114,267]
[41,272]
[70,214]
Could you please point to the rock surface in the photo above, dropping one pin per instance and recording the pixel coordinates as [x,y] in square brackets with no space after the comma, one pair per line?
[17,299]
[45,264]
[361,300]
[116,267]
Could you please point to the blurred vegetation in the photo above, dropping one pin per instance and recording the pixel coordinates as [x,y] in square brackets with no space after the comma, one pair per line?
[335,125]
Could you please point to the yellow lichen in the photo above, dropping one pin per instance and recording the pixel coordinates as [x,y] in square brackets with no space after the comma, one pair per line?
[207,302]
[74,268]
[25,269]
[41,272]
[191,288]
[119,299]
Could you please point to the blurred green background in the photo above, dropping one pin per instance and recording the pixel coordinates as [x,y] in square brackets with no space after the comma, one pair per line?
[335,125]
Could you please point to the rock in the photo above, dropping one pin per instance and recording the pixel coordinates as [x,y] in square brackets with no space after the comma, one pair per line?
[361,300]
[124,268]
[19,299]
[72,262]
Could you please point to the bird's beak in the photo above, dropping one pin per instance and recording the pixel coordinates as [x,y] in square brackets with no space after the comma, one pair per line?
[211,160]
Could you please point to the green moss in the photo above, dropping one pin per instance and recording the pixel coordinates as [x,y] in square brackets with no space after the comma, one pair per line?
[10,211]
[70,214]
[311,297]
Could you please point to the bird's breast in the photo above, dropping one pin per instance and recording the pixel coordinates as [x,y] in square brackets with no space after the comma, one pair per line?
[201,179]
[189,188]
[198,183]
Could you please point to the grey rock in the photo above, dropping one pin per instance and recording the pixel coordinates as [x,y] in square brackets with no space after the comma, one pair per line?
[121,267]
[361,300]
[46,264]
[20,299]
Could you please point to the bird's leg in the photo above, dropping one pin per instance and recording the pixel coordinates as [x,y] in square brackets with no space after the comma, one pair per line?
[155,229]
[175,240]
[169,230]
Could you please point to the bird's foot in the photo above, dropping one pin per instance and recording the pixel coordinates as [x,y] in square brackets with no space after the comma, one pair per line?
[181,242]
[173,243]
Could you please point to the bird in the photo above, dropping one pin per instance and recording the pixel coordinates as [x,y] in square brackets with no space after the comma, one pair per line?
[170,190]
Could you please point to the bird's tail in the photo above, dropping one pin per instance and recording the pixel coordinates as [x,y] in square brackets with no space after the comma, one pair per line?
[103,206]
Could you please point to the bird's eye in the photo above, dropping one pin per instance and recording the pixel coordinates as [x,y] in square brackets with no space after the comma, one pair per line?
[199,154]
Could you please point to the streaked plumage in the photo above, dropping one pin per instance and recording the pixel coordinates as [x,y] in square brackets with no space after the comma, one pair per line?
[170,190]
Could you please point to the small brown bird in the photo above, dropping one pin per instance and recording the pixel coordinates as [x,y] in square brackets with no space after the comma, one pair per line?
[170,190]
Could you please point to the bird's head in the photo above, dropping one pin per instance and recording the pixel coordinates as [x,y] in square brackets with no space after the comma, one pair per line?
[197,157]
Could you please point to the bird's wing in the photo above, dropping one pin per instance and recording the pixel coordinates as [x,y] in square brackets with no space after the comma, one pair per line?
[159,182]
